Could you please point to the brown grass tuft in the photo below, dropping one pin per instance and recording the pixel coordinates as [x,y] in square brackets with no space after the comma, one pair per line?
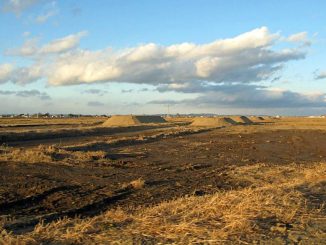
[138,183]
[50,154]
[135,184]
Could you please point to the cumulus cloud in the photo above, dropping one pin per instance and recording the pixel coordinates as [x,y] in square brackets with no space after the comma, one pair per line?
[255,98]
[5,72]
[318,75]
[246,58]
[17,6]
[250,96]
[39,69]
[227,72]
[298,37]
[301,37]
[28,48]
[63,44]
[27,93]
[31,48]
[20,75]
[24,75]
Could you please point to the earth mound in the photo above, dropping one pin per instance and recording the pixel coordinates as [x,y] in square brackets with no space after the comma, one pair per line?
[213,121]
[242,120]
[131,120]
[257,119]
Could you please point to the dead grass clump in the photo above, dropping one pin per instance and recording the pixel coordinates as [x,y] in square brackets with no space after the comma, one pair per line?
[54,152]
[35,155]
[4,150]
[28,156]
[135,184]
[49,154]
[259,175]
[85,156]
[138,183]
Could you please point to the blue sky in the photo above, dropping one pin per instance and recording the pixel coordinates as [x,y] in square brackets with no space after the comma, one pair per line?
[120,57]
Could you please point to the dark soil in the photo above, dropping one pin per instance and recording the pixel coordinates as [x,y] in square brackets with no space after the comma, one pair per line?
[195,164]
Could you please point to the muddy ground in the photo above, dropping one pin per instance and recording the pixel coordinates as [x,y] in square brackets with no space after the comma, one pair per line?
[191,164]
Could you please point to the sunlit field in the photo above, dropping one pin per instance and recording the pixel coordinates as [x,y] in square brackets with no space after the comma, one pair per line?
[261,180]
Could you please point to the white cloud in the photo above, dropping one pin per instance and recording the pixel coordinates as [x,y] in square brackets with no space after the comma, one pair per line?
[17,6]
[26,94]
[230,73]
[320,75]
[44,17]
[247,96]
[81,67]
[63,44]
[49,11]
[20,75]
[299,37]
[42,68]
[246,58]
[225,72]
[28,48]
[5,72]
[31,48]
[23,75]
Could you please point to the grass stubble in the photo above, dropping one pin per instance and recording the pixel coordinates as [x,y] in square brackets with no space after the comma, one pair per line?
[274,206]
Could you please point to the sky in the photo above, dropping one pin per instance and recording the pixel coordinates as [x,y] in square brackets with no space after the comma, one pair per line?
[150,57]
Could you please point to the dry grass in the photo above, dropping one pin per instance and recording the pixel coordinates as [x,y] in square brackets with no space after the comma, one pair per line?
[49,154]
[133,140]
[9,135]
[84,152]
[237,216]
[135,184]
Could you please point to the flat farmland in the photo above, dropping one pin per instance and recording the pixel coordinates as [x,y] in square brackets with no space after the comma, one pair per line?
[164,183]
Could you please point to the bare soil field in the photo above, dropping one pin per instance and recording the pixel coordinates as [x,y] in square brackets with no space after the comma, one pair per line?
[262,183]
